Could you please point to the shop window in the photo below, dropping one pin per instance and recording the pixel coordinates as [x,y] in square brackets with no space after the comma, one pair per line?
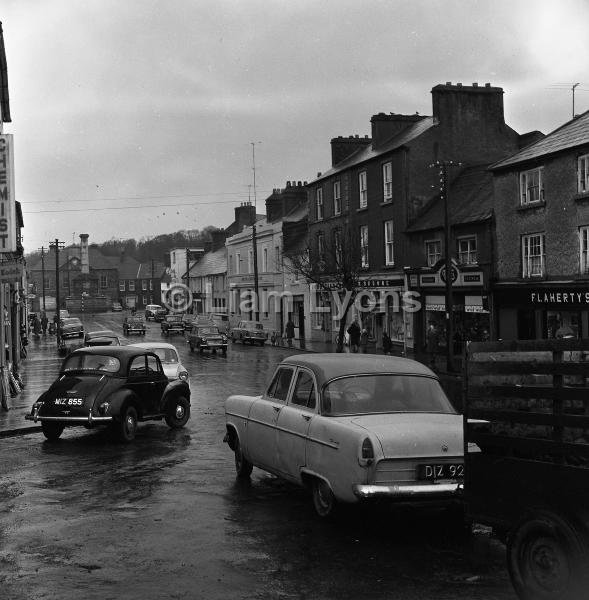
[467,250]
[583,173]
[433,252]
[388,243]
[387,181]
[533,255]
[337,198]
[364,246]
[562,324]
[363,189]
[584,249]
[319,203]
[531,187]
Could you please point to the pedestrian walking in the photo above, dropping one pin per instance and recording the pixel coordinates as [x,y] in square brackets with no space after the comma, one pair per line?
[364,340]
[289,330]
[432,343]
[354,332]
[387,344]
[44,322]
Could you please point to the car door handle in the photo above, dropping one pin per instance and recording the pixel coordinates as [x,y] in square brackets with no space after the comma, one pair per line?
[306,417]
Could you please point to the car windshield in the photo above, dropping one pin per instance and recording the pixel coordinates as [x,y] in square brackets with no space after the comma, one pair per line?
[72,321]
[174,319]
[136,319]
[372,394]
[166,355]
[207,330]
[257,326]
[91,362]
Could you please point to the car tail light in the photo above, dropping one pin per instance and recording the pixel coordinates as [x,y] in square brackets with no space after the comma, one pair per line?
[367,449]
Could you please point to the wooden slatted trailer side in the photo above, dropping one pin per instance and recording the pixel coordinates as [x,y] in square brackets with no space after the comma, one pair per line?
[526,424]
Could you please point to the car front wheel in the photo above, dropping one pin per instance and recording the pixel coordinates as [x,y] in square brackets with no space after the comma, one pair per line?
[323,499]
[243,467]
[178,412]
[52,430]
[127,426]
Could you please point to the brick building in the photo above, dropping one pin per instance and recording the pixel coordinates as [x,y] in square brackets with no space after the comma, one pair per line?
[378,186]
[542,229]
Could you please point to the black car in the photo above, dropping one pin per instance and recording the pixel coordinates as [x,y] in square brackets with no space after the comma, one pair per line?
[72,327]
[155,312]
[172,324]
[134,324]
[113,386]
[103,337]
[207,337]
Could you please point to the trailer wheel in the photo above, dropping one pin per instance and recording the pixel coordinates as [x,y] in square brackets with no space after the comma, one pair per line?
[547,559]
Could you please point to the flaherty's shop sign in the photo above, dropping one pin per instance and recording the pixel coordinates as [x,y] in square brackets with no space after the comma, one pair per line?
[8,223]
[559,297]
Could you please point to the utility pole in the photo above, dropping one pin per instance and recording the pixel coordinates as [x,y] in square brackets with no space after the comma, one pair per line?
[188,273]
[443,165]
[56,246]
[254,237]
[43,273]
[573,90]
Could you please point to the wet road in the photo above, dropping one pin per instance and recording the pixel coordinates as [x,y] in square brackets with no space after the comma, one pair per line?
[164,517]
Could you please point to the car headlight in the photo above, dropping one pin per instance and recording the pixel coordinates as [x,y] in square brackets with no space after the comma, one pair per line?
[183,375]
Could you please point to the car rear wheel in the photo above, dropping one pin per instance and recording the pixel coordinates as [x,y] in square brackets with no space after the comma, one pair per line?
[323,499]
[127,426]
[178,412]
[243,466]
[52,430]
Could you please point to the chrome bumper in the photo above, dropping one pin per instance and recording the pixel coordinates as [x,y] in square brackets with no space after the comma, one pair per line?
[89,420]
[407,491]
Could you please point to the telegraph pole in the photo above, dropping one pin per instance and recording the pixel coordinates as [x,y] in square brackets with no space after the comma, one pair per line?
[43,273]
[443,165]
[254,237]
[187,273]
[573,90]
[56,246]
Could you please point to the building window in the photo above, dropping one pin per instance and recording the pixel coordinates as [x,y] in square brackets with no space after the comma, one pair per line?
[533,255]
[433,252]
[144,284]
[319,203]
[389,255]
[278,258]
[122,285]
[265,260]
[583,173]
[250,260]
[237,263]
[387,181]
[584,249]
[103,280]
[363,189]
[144,299]
[364,246]
[151,285]
[337,246]
[321,246]
[531,186]
[337,198]
[467,250]
[131,285]
[47,283]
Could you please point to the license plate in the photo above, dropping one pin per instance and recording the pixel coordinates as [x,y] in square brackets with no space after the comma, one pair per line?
[435,471]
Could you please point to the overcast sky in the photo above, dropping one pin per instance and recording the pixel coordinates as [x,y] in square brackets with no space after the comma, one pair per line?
[133,118]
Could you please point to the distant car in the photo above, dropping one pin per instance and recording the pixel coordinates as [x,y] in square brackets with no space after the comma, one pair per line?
[72,327]
[221,320]
[207,337]
[155,312]
[172,324]
[117,387]
[188,321]
[64,313]
[134,324]
[351,428]
[251,332]
[168,355]
[117,307]
[104,337]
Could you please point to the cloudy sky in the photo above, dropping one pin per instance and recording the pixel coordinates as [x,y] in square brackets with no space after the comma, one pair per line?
[137,117]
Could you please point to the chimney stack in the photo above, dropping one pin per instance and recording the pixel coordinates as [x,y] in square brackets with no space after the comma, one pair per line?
[84,258]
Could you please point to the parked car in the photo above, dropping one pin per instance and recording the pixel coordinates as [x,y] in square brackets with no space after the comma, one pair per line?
[134,324]
[172,324]
[188,321]
[221,320]
[72,327]
[155,312]
[251,332]
[352,427]
[114,386]
[104,337]
[168,355]
[207,337]
[117,307]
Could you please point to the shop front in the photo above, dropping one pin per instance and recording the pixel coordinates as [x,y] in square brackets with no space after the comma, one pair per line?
[547,311]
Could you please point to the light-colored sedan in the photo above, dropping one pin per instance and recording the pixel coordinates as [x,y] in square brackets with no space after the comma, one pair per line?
[352,427]
[168,355]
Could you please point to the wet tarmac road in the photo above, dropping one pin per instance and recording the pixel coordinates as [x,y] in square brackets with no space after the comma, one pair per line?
[164,517]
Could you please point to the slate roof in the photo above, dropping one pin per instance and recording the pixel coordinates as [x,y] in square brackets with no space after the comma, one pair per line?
[368,152]
[471,200]
[128,268]
[570,135]
[145,269]
[211,263]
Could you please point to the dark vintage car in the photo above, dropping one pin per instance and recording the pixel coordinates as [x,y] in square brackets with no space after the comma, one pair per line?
[72,327]
[111,386]
[155,312]
[207,337]
[251,332]
[104,337]
[134,324]
[172,324]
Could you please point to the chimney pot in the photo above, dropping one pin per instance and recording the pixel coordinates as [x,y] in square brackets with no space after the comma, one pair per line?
[458,84]
[487,85]
[448,83]
[288,184]
[475,84]
[319,174]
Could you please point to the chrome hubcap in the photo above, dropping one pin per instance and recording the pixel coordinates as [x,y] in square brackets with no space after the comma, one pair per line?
[179,411]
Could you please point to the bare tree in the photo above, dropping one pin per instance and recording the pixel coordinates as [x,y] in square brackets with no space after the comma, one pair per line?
[333,260]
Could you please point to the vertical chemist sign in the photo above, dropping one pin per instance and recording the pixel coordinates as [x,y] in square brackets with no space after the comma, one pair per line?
[7,199]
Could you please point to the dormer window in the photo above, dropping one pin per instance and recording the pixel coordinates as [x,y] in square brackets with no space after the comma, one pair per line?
[531,187]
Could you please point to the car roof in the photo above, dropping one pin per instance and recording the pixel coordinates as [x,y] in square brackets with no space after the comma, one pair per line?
[149,345]
[124,353]
[330,365]
[101,333]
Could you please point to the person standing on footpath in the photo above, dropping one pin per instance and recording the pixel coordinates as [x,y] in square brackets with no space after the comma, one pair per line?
[289,330]
[354,332]
[364,340]
[432,343]
[44,322]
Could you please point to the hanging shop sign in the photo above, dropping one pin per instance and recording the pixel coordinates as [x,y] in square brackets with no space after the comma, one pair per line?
[8,223]
[11,271]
